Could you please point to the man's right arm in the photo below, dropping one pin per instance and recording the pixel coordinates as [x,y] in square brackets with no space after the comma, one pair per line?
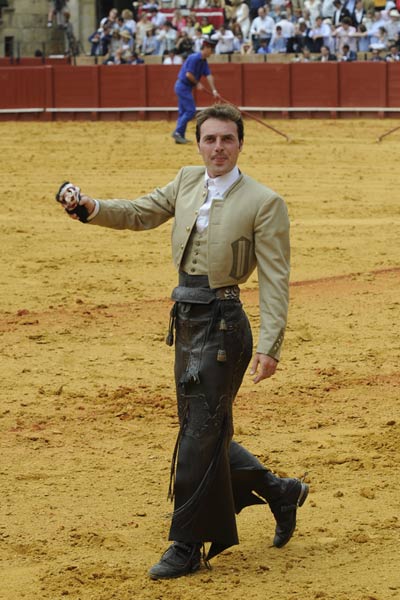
[146,212]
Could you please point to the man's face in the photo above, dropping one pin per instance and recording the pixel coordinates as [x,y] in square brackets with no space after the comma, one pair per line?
[207,51]
[219,146]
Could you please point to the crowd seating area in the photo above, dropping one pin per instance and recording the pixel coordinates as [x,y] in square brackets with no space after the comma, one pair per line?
[292,30]
[266,30]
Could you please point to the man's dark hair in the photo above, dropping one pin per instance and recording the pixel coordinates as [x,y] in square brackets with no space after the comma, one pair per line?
[223,112]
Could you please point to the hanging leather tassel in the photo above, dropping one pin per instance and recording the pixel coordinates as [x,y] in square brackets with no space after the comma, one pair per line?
[169,340]
[221,354]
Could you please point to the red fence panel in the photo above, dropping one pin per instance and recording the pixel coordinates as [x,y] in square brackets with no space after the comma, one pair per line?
[75,87]
[23,87]
[27,61]
[228,81]
[393,87]
[314,84]
[122,85]
[266,85]
[160,81]
[348,85]
[362,84]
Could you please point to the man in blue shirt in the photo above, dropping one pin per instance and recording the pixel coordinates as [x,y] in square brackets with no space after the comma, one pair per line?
[194,67]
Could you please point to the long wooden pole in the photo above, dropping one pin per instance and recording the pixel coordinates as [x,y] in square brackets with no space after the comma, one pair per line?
[380,138]
[247,114]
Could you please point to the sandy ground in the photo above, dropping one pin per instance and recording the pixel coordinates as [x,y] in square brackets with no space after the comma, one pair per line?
[87,411]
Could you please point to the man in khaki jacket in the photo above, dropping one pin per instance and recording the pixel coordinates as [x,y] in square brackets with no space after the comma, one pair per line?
[225,225]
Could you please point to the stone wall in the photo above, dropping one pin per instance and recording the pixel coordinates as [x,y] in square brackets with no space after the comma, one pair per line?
[26,22]
[85,22]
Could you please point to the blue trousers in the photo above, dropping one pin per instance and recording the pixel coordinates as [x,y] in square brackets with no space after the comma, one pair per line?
[186,107]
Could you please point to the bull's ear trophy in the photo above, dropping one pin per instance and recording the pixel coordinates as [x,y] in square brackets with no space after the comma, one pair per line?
[69,195]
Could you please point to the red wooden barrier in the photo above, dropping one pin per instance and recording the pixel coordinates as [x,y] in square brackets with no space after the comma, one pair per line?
[23,87]
[362,84]
[160,81]
[76,87]
[314,84]
[33,61]
[265,85]
[29,62]
[228,81]
[278,86]
[393,87]
[122,85]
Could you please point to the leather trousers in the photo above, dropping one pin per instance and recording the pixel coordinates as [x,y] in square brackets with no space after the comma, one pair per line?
[213,477]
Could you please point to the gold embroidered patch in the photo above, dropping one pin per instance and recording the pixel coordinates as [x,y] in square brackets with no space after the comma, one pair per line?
[241,257]
[277,344]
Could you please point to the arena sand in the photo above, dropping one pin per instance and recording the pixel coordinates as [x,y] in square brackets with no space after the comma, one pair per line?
[87,399]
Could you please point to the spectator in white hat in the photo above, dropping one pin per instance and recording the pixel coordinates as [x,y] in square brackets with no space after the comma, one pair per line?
[393,25]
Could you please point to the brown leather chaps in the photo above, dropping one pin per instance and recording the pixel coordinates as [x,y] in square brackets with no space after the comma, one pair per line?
[213,477]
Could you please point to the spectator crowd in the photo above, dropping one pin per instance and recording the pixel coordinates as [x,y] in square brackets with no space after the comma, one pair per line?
[323,30]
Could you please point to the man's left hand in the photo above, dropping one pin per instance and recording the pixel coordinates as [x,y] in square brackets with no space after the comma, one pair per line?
[263,366]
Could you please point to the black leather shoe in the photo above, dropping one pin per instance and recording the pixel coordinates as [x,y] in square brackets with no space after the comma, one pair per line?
[180,559]
[285,508]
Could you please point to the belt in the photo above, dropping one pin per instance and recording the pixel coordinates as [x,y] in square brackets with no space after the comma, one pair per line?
[196,289]
[230,292]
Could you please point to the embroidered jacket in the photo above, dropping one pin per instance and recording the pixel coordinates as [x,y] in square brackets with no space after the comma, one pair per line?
[249,227]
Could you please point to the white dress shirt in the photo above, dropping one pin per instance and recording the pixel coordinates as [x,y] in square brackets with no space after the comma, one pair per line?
[216,189]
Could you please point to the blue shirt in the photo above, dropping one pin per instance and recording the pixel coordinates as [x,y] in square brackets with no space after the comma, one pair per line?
[195,64]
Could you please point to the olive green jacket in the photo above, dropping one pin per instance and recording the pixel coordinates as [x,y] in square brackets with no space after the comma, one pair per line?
[249,227]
